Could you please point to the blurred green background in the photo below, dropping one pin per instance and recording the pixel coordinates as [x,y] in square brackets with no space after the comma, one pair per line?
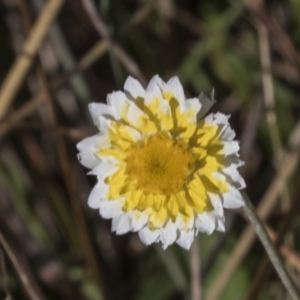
[246,50]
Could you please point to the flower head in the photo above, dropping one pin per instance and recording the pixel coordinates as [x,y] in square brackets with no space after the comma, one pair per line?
[163,168]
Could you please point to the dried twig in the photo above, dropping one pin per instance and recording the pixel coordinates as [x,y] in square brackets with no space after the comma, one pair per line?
[88,59]
[268,89]
[103,31]
[247,140]
[22,268]
[172,267]
[266,206]
[67,172]
[138,16]
[74,133]
[265,267]
[270,248]
[3,277]
[23,62]
[282,41]
[195,267]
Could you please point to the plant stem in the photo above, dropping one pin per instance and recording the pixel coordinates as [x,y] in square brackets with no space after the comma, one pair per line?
[270,248]
[195,271]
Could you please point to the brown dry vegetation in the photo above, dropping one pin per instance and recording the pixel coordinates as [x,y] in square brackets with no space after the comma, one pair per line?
[57,56]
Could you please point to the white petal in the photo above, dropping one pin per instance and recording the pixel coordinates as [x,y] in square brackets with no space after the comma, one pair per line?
[233,199]
[102,123]
[109,209]
[220,176]
[186,239]
[92,142]
[105,158]
[205,222]
[88,147]
[175,87]
[220,118]
[232,160]
[134,114]
[166,109]
[192,104]
[234,177]
[220,226]
[217,205]
[208,119]
[117,100]
[103,170]
[185,225]
[121,224]
[138,220]
[152,95]
[88,159]
[227,133]
[148,236]
[99,109]
[207,103]
[97,194]
[134,88]
[155,81]
[133,132]
[230,147]
[168,234]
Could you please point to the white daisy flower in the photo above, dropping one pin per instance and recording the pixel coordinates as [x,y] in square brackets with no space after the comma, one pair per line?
[164,170]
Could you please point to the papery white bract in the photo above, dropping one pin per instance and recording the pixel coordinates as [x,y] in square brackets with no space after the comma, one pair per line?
[163,168]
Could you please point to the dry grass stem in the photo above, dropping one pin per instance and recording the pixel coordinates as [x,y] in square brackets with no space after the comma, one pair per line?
[66,168]
[140,15]
[88,59]
[3,277]
[287,252]
[268,89]
[23,62]
[103,31]
[73,133]
[270,248]
[195,267]
[264,267]
[266,206]
[173,268]
[283,43]
[22,268]
[68,250]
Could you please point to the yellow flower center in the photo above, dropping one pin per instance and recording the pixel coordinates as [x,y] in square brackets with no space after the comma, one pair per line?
[159,164]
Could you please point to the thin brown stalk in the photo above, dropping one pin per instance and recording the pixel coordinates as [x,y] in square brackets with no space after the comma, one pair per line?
[24,60]
[74,133]
[268,90]
[22,268]
[173,268]
[292,256]
[3,277]
[67,172]
[103,31]
[266,206]
[79,214]
[170,11]
[247,140]
[265,267]
[289,253]
[139,15]
[97,51]
[283,44]
[270,248]
[196,290]
[88,59]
